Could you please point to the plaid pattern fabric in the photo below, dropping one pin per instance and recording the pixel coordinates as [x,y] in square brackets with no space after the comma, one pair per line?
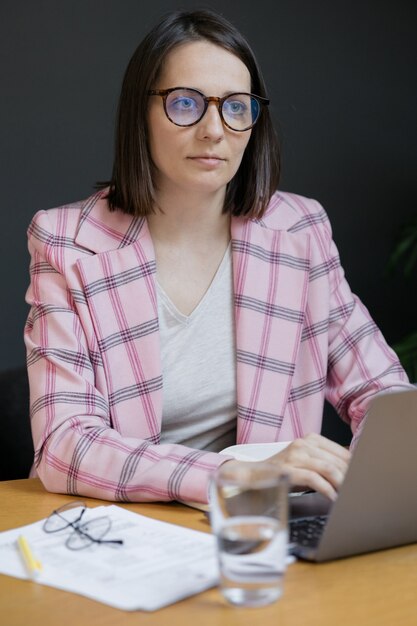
[94,356]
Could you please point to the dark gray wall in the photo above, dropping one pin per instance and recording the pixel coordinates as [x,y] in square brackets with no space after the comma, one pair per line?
[341,76]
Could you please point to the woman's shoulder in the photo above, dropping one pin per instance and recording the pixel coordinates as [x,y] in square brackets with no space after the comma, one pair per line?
[55,233]
[60,221]
[82,228]
[293,212]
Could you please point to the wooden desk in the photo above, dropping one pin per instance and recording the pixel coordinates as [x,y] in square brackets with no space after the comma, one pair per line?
[377,589]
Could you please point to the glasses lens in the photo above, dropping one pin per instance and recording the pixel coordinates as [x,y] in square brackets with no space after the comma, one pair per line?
[64,517]
[241,111]
[184,106]
[88,533]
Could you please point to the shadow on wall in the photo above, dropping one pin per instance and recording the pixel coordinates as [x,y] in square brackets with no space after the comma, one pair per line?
[334,427]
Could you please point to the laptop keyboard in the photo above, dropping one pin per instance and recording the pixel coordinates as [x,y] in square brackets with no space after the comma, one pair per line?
[307,531]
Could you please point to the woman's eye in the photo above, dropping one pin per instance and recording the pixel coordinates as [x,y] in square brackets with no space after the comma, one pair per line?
[236,107]
[184,104]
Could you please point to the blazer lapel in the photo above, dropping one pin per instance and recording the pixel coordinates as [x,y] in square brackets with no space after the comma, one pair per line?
[119,287]
[270,269]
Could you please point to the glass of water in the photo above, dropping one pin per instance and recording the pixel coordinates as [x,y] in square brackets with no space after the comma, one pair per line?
[249,516]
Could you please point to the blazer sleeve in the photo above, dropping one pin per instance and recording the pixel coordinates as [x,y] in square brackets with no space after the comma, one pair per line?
[77,451]
[360,362]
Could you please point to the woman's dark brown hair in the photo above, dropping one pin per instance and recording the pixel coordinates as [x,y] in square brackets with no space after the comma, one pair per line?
[132,188]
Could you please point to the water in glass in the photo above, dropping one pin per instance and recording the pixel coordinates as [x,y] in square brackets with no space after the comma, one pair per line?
[252,552]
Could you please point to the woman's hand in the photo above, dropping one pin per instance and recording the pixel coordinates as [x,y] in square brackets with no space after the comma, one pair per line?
[314,462]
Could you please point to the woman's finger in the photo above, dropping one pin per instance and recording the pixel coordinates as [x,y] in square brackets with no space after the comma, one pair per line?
[311,480]
[319,442]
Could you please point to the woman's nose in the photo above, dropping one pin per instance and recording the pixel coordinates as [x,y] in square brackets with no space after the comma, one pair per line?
[211,125]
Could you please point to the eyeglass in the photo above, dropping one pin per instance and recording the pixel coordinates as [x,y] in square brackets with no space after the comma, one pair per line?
[84,534]
[184,106]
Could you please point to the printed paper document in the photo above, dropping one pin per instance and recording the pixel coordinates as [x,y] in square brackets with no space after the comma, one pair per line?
[158,563]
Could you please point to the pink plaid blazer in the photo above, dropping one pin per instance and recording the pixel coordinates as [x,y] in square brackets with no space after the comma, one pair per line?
[94,357]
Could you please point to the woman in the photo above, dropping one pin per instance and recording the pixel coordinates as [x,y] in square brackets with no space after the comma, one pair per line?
[188,305]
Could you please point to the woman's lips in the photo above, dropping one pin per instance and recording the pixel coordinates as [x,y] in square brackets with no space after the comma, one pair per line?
[208,160]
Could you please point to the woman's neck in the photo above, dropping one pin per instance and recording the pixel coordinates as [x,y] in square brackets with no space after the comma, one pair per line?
[190,236]
[191,219]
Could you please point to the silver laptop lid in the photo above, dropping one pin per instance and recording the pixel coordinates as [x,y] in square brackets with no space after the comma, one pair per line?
[377,504]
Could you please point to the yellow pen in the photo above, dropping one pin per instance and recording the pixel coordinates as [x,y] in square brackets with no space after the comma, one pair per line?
[33,566]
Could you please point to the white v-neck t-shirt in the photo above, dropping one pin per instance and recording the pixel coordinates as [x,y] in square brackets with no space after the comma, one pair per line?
[199,366]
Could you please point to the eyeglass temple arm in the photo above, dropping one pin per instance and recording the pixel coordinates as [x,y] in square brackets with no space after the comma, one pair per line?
[80,531]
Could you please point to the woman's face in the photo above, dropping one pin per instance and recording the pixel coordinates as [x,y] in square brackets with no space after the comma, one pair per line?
[202,158]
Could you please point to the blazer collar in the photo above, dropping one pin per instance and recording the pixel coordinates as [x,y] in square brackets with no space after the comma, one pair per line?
[102,230]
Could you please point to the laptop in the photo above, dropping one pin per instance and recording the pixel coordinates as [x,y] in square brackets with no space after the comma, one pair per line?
[376,507]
